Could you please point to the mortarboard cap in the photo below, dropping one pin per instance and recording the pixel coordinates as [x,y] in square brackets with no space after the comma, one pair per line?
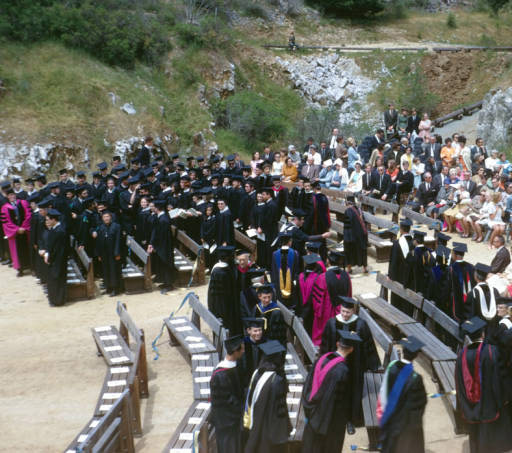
[124,175]
[44,203]
[298,213]
[53,185]
[443,238]
[148,172]
[483,269]
[253,322]
[80,174]
[133,180]
[102,166]
[411,344]
[347,338]
[185,178]
[265,289]
[53,213]
[175,156]
[233,343]
[242,252]
[313,246]
[63,171]
[347,302]
[272,347]
[459,247]
[311,259]
[276,178]
[160,204]
[285,235]
[96,174]
[419,234]
[5,184]
[230,158]
[258,272]
[35,197]
[15,180]
[473,326]
[405,222]
[154,163]
[200,159]
[335,256]
[226,249]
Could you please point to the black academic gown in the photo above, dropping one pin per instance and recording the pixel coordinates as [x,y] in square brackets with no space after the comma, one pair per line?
[57,249]
[163,246]
[403,432]
[271,422]
[462,280]
[208,234]
[224,298]
[329,410]
[108,245]
[37,230]
[285,274]
[87,224]
[275,327]
[401,269]
[227,406]
[363,358]
[488,420]
[250,360]
[248,300]
[269,224]
[355,237]
[422,270]
[225,232]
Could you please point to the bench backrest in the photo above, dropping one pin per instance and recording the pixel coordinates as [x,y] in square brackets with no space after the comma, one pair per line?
[201,312]
[397,288]
[420,218]
[381,337]
[190,245]
[375,203]
[88,266]
[113,432]
[448,324]
[143,257]
[245,241]
[379,222]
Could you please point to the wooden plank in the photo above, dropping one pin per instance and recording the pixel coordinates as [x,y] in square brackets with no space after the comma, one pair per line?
[381,337]
[143,256]
[442,319]
[383,309]
[293,364]
[421,219]
[397,288]
[202,370]
[434,349]
[188,336]
[200,311]
[245,241]
[376,203]
[304,339]
[287,314]
[127,321]
[112,346]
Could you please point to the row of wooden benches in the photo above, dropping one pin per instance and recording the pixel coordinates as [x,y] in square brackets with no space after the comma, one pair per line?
[117,416]
[136,273]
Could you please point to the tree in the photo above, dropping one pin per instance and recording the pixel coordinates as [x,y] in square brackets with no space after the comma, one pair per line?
[351,8]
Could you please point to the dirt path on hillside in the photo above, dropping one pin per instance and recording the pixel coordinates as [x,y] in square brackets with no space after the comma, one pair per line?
[51,376]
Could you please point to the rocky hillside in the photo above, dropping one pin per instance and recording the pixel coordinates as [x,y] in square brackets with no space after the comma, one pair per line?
[62,107]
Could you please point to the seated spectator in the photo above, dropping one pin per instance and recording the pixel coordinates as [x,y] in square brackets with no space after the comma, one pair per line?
[407,156]
[376,153]
[426,193]
[326,173]
[418,168]
[367,179]
[486,216]
[480,178]
[464,155]
[492,161]
[456,211]
[294,155]
[340,176]
[290,172]
[310,170]
[314,154]
[502,258]
[392,170]
[452,178]
[355,181]
[381,184]
[404,182]
[447,152]
[256,160]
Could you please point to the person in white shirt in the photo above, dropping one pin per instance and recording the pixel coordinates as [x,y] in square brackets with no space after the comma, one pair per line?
[314,154]
[277,165]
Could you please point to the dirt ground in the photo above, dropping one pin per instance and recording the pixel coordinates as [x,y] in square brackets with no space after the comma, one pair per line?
[51,376]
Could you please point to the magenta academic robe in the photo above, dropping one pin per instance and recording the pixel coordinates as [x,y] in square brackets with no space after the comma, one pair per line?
[11,227]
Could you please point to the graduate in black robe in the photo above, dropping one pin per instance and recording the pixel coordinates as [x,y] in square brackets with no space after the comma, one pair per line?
[285,271]
[108,250]
[481,396]
[441,291]
[321,215]
[280,195]
[462,281]
[482,302]
[223,294]
[161,245]
[401,403]
[326,397]
[227,397]
[400,264]
[208,235]
[56,257]
[299,237]
[37,229]
[249,295]
[266,418]
[355,236]
[363,358]
[266,308]
[253,338]
[225,232]
[268,225]
[423,262]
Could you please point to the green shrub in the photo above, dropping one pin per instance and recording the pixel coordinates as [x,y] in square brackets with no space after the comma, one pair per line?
[397,9]
[496,5]
[451,21]
[350,8]
[256,10]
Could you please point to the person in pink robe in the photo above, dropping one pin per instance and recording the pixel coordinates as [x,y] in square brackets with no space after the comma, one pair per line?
[16,224]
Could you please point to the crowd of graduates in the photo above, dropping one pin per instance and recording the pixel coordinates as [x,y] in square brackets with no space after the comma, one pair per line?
[209,198]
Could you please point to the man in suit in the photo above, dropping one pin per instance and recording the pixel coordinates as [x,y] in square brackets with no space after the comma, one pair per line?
[268,156]
[468,185]
[502,258]
[333,139]
[310,170]
[144,155]
[367,179]
[376,140]
[438,180]
[390,120]
[381,184]
[393,153]
[431,149]
[427,192]
[478,149]
[413,122]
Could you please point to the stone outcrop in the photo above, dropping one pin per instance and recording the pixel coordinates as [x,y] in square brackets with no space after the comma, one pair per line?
[495,118]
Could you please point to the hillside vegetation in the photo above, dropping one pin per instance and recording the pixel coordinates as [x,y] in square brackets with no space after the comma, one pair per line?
[60,88]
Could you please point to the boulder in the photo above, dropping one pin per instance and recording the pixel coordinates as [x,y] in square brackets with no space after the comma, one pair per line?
[129,108]
[495,118]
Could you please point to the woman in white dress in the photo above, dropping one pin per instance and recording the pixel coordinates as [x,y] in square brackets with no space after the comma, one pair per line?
[355,181]
[277,165]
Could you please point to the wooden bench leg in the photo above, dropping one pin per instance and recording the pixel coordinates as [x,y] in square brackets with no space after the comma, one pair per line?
[142,372]
[373,437]
[172,338]
[136,418]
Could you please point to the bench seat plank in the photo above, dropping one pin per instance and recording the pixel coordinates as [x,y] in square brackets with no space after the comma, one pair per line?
[116,381]
[183,331]
[111,346]
[202,369]
[434,349]
[383,309]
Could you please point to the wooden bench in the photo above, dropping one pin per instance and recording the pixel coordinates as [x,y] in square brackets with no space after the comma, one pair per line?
[373,380]
[392,316]
[202,369]
[246,242]
[134,282]
[76,284]
[188,252]
[194,425]
[127,364]
[375,203]
[421,219]
[187,333]
[109,434]
[85,263]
